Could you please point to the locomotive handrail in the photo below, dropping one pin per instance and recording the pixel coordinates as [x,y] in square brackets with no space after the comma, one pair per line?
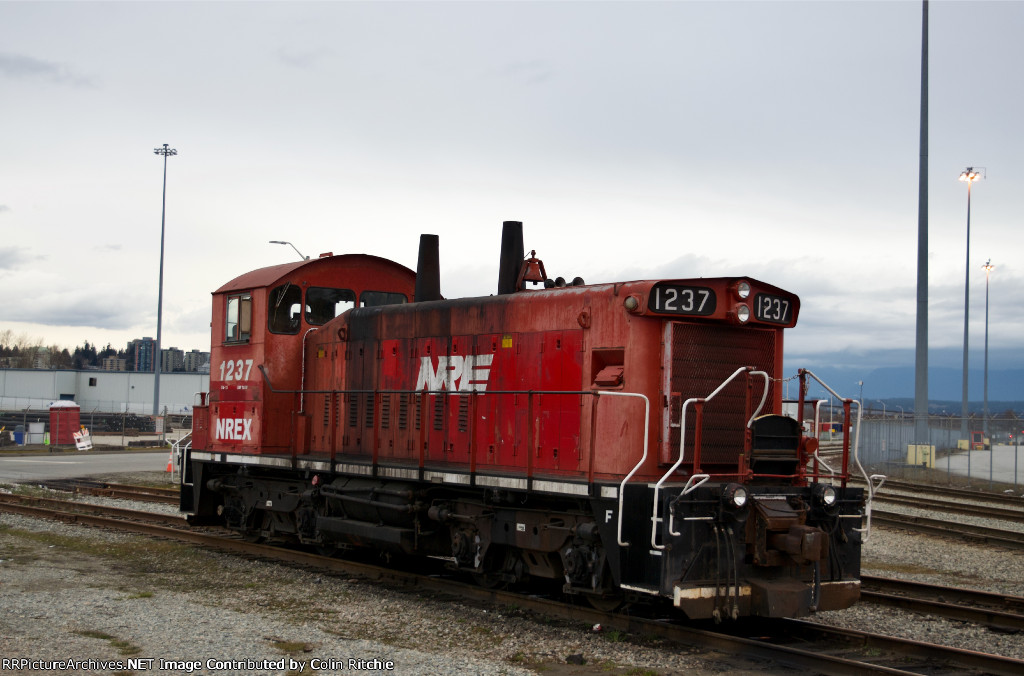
[643,458]
[594,393]
[179,448]
[817,435]
[695,481]
[699,403]
[450,393]
[856,458]
[302,376]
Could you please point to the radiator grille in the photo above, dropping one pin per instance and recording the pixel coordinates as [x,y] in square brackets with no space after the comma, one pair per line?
[702,358]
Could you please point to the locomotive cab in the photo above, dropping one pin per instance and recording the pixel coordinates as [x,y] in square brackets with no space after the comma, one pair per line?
[261,322]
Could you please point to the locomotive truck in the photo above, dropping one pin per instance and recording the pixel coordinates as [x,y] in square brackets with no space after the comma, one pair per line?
[623,440]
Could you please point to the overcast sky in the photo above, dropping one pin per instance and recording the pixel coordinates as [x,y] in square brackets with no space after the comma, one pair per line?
[674,139]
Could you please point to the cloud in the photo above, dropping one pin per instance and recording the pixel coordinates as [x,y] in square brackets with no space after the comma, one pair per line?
[302,58]
[3,208]
[531,72]
[27,67]
[71,306]
[12,257]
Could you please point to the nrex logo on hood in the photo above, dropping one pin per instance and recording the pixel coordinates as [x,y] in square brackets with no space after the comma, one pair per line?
[455,373]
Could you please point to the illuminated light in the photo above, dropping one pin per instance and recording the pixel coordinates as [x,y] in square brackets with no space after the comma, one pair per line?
[743,290]
[735,495]
[739,497]
[829,496]
[743,313]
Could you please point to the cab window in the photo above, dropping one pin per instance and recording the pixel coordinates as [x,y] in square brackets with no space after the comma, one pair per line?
[324,304]
[238,318]
[284,308]
[375,298]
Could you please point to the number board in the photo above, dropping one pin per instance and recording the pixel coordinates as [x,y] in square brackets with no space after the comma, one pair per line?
[774,309]
[682,300]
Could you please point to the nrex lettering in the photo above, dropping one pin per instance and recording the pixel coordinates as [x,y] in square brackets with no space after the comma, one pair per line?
[455,373]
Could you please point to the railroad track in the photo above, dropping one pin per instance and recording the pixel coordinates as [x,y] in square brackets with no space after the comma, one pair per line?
[950,492]
[802,645]
[82,512]
[986,511]
[960,531]
[1002,612]
[112,490]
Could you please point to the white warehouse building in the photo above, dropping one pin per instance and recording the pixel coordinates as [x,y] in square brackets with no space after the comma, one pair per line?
[100,391]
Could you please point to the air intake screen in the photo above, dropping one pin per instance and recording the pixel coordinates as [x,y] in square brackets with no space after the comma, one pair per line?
[702,358]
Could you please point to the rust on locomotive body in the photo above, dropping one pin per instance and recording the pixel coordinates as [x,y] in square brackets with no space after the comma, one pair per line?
[624,438]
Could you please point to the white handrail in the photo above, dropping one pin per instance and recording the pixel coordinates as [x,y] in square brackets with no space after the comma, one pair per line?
[682,439]
[178,450]
[694,482]
[643,459]
[856,458]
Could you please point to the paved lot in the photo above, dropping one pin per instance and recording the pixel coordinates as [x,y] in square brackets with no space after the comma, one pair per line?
[1006,462]
[65,465]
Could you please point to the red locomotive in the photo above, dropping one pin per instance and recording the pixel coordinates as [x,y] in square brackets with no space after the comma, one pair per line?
[622,438]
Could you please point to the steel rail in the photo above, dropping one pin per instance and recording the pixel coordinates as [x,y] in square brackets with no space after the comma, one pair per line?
[104,489]
[953,660]
[989,512]
[992,536]
[949,492]
[1000,611]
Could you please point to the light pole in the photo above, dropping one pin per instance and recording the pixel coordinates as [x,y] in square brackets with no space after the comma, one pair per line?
[988,267]
[274,241]
[969,176]
[883,407]
[166,152]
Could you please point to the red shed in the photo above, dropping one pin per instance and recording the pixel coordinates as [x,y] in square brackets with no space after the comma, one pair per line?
[65,419]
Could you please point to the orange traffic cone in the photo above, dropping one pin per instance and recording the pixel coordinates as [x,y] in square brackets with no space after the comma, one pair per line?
[170,461]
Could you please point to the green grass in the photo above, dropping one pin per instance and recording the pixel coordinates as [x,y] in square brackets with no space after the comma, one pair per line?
[123,647]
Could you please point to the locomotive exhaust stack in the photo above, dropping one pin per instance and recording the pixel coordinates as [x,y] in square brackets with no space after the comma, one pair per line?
[428,270]
[511,257]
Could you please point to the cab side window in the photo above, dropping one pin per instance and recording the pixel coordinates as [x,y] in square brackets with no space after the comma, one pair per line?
[238,318]
[284,309]
[324,304]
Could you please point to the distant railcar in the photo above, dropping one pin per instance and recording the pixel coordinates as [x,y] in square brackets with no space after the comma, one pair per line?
[625,439]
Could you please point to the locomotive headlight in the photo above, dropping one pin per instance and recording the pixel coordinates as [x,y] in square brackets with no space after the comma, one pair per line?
[742,290]
[742,313]
[735,496]
[827,497]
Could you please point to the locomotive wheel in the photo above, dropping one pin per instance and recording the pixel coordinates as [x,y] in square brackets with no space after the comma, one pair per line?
[490,580]
[605,604]
[497,565]
[327,550]
[259,523]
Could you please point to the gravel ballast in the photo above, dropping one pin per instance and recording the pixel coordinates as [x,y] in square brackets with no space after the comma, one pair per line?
[80,593]
[87,594]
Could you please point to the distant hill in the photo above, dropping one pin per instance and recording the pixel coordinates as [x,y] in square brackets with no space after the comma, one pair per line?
[945,386]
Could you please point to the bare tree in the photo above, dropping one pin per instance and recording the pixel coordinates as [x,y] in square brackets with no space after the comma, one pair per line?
[19,349]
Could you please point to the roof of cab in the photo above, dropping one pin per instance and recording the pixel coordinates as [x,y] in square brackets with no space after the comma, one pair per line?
[269,276]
